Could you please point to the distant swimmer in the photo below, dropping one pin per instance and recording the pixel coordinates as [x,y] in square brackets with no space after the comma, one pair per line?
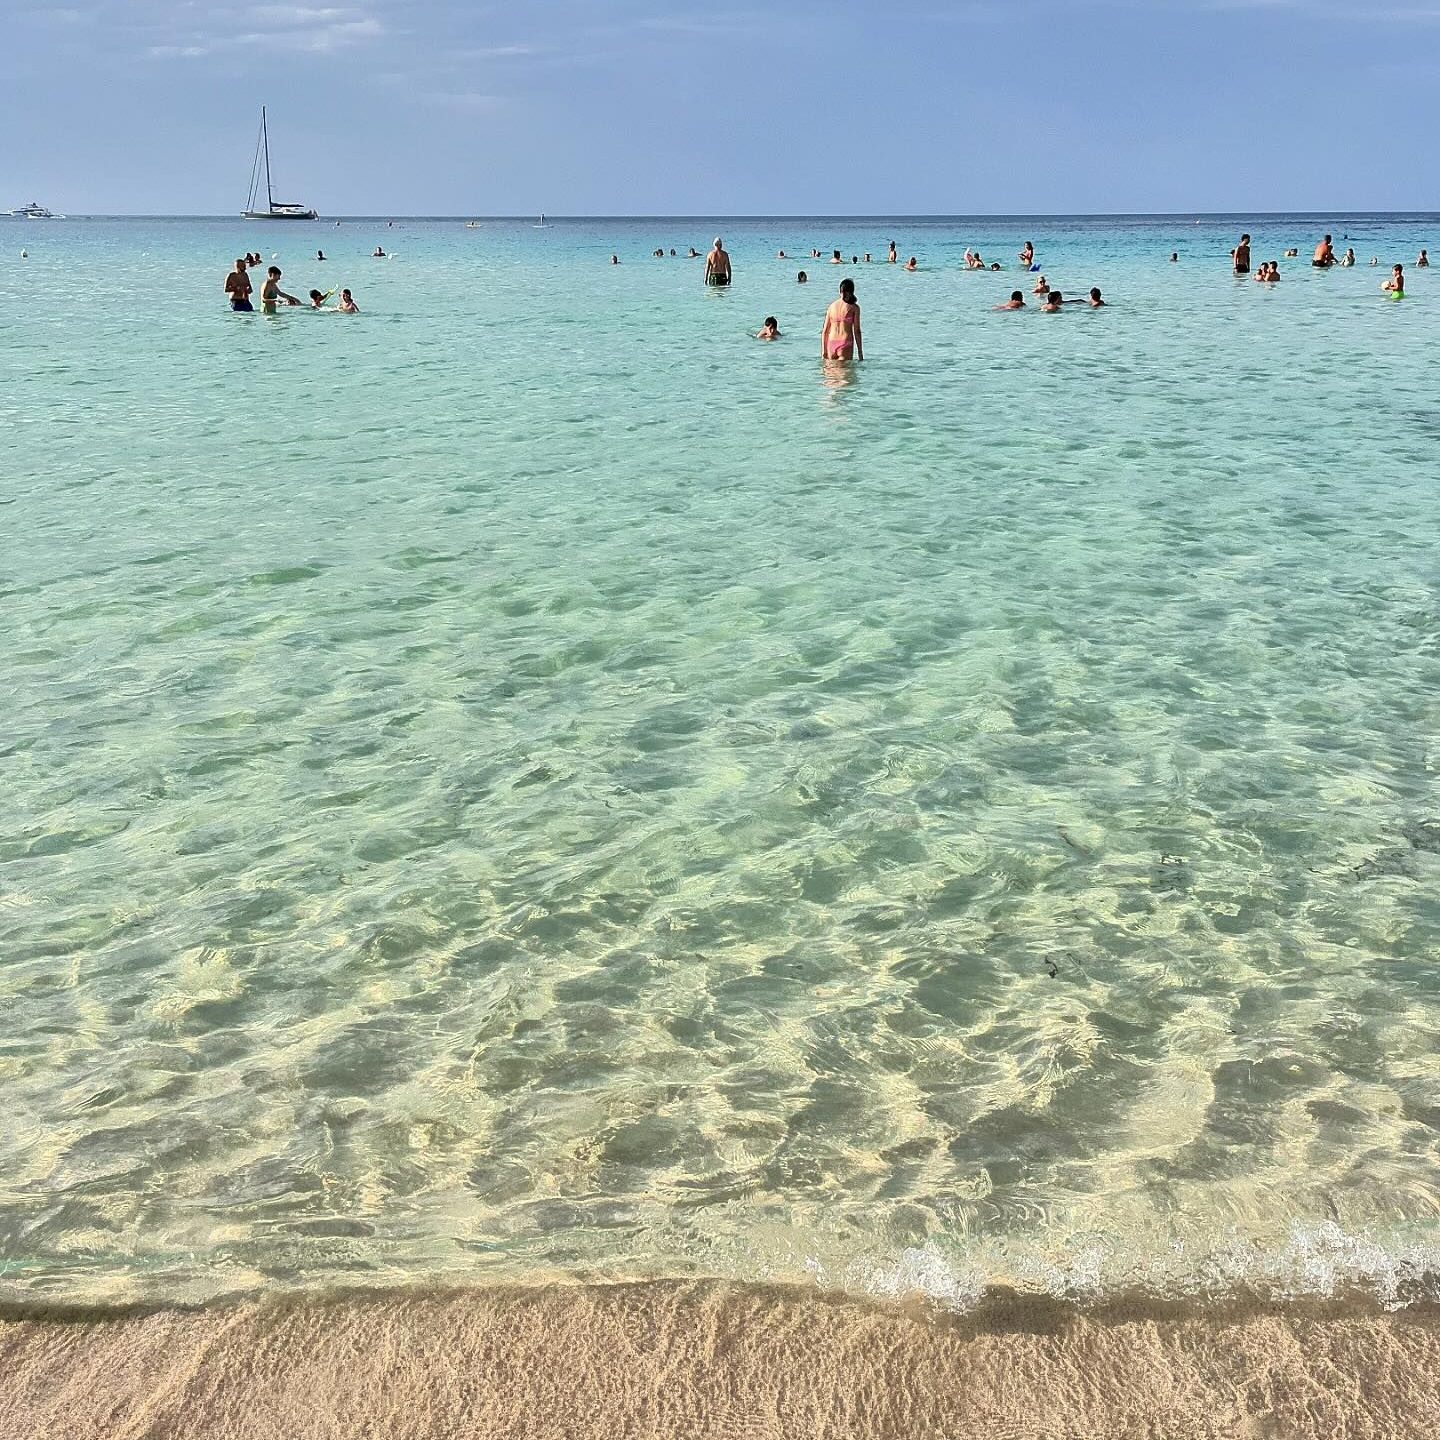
[867,257]
[694,254]
[1041,287]
[1374,260]
[320,255]
[911,264]
[614,259]
[672,252]
[892,258]
[1015,302]
[1174,257]
[770,330]
[973,260]
[658,254]
[717,264]
[854,259]
[1053,301]
[271,293]
[1241,256]
[347,304]
[835,258]
[238,288]
[781,255]
[1324,255]
[1096,300]
[1423,262]
[802,278]
[994,265]
[317,300]
[1027,255]
[378,253]
[1395,285]
[840,337]
[1292,253]
[1348,259]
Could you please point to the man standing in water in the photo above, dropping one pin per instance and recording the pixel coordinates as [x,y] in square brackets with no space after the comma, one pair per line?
[238,287]
[1324,255]
[717,264]
[1242,256]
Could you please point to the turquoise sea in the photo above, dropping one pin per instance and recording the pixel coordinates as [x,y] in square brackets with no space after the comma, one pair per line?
[530,781]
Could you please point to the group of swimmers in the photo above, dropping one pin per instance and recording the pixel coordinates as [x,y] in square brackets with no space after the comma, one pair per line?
[238,289]
[1324,258]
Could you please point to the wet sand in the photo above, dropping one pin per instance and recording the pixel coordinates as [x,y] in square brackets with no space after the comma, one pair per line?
[700,1360]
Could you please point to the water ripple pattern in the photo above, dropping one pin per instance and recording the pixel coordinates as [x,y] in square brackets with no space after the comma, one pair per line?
[529,780]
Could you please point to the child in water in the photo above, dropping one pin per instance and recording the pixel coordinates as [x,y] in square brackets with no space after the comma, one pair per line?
[770,330]
[1395,285]
[347,304]
[912,264]
[1053,301]
[317,300]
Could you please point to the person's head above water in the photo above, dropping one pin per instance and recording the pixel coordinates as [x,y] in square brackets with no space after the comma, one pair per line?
[316,297]
[802,278]
[847,289]
[1095,294]
[241,264]
[1017,297]
[273,272]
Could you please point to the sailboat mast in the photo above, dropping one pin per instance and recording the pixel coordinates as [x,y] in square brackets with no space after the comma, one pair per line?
[265,136]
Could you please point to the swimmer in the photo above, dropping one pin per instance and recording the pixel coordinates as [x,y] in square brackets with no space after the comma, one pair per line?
[835,258]
[995,265]
[770,330]
[1348,259]
[657,254]
[911,264]
[717,264]
[1053,301]
[347,304]
[840,337]
[672,252]
[694,254]
[1292,253]
[238,288]
[1395,285]
[802,278]
[317,300]
[1027,255]
[378,253]
[1324,255]
[1374,260]
[1423,261]
[867,258]
[854,259]
[780,255]
[1095,300]
[614,259]
[892,258]
[1015,302]
[1041,287]
[1241,254]
[270,292]
[1268,273]
[1174,257]
[320,255]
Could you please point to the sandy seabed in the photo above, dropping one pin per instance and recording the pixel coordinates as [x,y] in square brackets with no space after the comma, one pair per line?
[694,1360]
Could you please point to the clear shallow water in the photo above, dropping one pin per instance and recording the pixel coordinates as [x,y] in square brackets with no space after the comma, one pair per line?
[530,780]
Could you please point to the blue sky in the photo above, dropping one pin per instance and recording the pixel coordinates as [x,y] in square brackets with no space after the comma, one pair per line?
[682,107]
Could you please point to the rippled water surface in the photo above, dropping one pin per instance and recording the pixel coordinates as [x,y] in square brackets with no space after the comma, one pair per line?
[530,779]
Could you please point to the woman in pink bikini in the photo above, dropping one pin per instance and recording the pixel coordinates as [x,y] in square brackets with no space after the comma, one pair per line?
[840,339]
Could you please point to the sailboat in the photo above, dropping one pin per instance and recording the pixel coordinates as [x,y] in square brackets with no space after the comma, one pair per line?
[542,225]
[274,209]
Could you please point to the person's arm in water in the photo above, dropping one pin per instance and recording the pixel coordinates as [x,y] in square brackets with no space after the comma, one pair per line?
[855,331]
[825,338]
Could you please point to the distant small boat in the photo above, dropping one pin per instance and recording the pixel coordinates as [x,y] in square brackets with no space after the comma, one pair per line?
[34,211]
[274,209]
[540,224]
[472,224]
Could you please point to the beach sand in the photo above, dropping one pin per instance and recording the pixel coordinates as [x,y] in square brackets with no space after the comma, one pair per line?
[699,1360]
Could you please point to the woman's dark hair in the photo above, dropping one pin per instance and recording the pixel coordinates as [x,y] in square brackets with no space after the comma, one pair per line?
[1016,295]
[316,295]
[847,289]
[1055,298]
[771,320]
[803,277]
[836,254]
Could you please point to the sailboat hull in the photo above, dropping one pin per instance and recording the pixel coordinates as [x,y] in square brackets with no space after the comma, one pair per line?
[279,215]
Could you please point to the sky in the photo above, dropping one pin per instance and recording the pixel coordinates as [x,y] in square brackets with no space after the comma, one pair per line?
[678,107]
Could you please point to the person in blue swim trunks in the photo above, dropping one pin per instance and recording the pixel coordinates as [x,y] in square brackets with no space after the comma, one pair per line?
[238,287]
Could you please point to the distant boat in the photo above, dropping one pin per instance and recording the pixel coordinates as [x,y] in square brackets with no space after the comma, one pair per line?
[541,225]
[274,209]
[34,211]
[472,224]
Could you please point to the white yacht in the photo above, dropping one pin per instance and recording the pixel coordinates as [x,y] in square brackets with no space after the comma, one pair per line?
[35,211]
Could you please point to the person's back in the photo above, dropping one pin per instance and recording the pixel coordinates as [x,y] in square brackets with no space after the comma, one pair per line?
[840,337]
[1242,256]
[717,264]
[1324,254]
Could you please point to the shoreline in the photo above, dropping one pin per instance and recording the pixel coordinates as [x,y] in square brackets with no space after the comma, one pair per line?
[709,1358]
